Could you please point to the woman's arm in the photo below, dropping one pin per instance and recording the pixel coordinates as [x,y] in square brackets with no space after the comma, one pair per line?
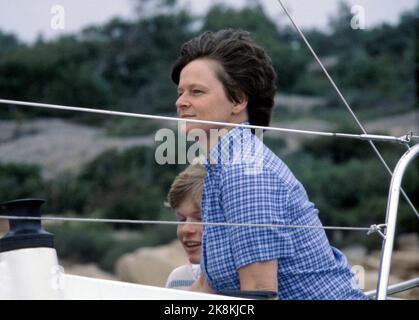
[260,276]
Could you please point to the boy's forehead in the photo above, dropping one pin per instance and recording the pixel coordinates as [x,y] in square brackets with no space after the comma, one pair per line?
[187,206]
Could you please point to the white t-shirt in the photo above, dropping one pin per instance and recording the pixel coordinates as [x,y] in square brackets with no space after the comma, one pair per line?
[183,277]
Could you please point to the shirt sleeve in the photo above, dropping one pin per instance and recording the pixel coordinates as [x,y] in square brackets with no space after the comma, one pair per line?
[258,198]
[181,278]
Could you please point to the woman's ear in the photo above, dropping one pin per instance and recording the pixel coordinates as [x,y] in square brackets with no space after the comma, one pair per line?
[239,107]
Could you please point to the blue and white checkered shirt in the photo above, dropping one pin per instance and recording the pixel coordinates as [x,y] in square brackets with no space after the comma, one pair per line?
[247,183]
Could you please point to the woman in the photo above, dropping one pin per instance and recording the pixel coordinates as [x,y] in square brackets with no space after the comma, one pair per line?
[225,77]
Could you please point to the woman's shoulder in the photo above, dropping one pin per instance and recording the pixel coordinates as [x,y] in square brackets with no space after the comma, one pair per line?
[275,171]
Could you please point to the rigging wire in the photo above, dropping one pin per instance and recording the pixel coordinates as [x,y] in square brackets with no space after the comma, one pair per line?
[404,139]
[372,229]
[344,101]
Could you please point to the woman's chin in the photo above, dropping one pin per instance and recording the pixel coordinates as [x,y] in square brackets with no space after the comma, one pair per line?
[186,128]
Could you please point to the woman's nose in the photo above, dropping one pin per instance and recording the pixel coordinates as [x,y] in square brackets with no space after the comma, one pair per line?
[181,102]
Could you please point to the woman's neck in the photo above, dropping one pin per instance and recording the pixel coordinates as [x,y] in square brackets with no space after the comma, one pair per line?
[215,135]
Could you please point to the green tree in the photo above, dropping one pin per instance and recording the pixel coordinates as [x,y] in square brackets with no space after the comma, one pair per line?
[62,72]
[289,61]
[8,42]
[18,182]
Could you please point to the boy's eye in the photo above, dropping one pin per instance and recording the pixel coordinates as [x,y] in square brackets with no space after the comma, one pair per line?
[196,92]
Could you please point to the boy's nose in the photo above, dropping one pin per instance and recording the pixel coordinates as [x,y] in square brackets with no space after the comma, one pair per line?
[188,227]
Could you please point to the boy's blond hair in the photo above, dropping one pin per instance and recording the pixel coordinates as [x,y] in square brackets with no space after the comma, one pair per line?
[189,182]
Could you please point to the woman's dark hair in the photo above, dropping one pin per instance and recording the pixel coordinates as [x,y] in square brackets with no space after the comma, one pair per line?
[246,69]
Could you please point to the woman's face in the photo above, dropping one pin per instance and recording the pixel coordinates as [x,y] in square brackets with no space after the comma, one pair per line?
[201,96]
[189,234]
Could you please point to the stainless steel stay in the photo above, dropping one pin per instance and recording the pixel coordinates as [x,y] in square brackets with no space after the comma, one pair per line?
[391,219]
[396,288]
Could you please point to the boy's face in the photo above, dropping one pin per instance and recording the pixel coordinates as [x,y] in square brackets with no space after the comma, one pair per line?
[190,235]
[201,96]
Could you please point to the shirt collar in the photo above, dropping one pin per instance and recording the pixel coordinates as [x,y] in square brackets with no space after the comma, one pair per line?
[224,151]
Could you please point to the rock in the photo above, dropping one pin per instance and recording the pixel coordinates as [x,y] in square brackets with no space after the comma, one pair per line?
[59,146]
[396,125]
[409,241]
[370,283]
[151,266]
[86,270]
[372,261]
[298,102]
[4,227]
[355,254]
[405,263]
[404,266]
[371,278]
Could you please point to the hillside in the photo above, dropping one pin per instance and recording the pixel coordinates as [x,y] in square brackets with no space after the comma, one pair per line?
[58,146]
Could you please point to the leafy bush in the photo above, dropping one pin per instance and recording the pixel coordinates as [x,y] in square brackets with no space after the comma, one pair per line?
[21,181]
[118,185]
[81,242]
[350,187]
[97,243]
